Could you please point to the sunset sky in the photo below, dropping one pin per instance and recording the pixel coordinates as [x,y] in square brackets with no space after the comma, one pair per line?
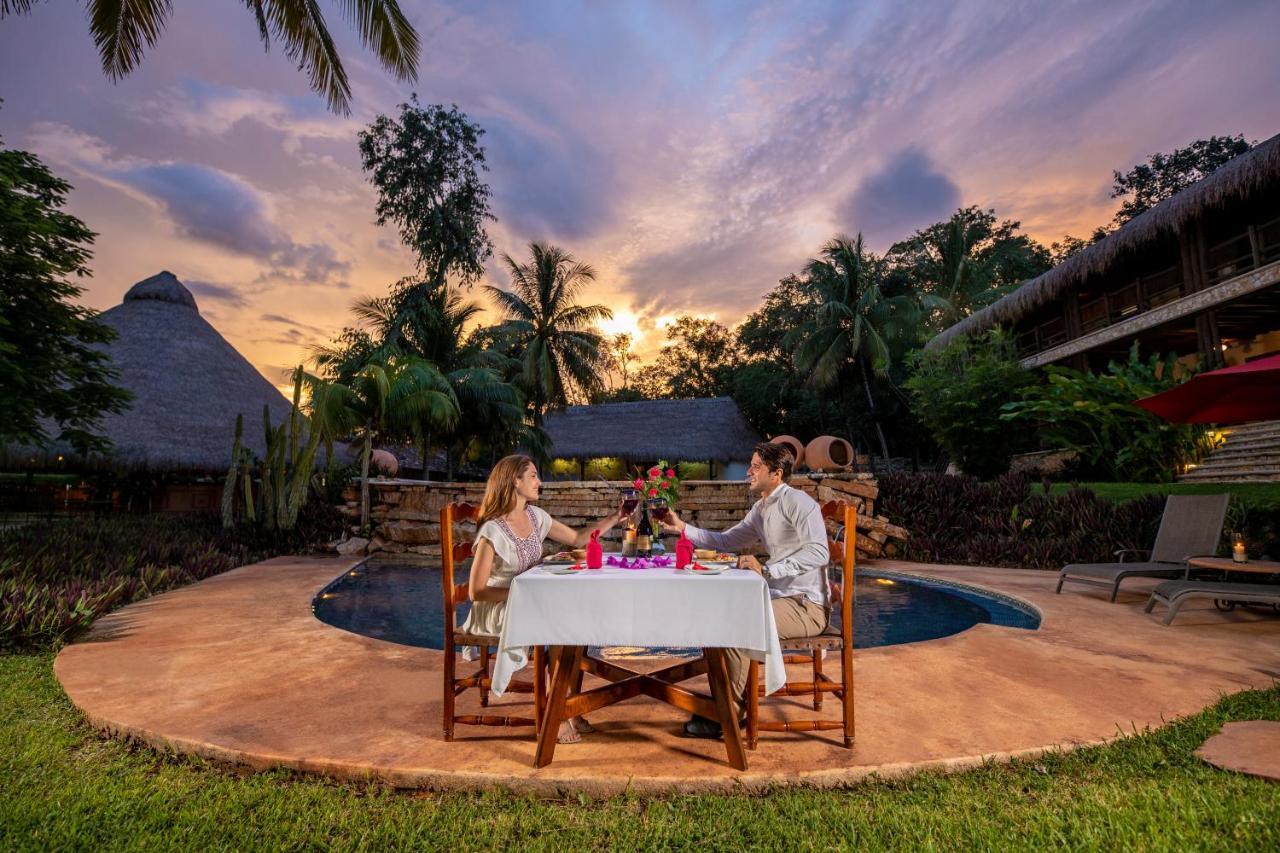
[693,152]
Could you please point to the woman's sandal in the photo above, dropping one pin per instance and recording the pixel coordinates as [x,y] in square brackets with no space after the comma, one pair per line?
[567,733]
[582,726]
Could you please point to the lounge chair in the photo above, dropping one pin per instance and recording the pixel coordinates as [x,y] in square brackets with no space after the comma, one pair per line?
[1190,527]
[1174,594]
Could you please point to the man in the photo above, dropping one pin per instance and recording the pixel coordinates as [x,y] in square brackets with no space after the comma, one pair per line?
[790,525]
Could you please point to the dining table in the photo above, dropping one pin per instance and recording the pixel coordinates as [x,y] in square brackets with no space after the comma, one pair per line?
[656,606]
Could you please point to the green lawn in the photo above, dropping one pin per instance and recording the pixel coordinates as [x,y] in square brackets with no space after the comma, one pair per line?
[1258,494]
[63,786]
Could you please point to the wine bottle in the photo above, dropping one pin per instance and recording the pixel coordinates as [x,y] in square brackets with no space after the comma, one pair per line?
[644,536]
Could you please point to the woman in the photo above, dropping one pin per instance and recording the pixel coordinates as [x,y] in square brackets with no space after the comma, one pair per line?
[509,535]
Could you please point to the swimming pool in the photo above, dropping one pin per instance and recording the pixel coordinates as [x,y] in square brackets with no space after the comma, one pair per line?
[400,602]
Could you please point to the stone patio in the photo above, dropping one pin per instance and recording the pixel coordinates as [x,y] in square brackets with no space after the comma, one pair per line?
[237,669]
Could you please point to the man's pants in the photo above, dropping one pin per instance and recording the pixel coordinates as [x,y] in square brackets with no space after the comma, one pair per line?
[795,617]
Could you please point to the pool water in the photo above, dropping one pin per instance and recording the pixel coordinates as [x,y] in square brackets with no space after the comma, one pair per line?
[400,602]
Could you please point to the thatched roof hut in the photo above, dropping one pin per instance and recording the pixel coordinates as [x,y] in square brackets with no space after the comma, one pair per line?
[1246,176]
[188,385]
[709,429]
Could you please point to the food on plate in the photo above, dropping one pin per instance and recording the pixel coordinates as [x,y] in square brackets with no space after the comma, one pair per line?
[713,555]
[561,557]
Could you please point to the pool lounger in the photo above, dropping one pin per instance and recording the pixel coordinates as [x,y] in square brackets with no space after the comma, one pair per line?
[1174,594]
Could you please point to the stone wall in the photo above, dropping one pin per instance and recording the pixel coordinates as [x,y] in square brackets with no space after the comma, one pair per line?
[406,513]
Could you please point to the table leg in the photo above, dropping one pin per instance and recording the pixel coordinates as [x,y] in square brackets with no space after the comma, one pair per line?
[718,674]
[564,665]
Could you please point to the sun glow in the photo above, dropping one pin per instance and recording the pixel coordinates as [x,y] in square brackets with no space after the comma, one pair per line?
[624,321]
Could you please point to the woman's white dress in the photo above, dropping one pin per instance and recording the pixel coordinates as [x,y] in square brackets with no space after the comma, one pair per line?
[511,556]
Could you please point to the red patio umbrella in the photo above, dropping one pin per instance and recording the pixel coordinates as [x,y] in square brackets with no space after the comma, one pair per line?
[1232,395]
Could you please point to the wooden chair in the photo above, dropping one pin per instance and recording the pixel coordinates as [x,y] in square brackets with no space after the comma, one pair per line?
[834,638]
[454,595]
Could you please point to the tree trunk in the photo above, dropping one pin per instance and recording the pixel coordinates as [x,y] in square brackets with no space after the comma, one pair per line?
[871,407]
[364,479]
[426,449]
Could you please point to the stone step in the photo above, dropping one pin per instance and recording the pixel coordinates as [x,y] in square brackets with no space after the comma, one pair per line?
[1249,443]
[1253,430]
[1232,472]
[1210,477]
[1236,464]
[1262,456]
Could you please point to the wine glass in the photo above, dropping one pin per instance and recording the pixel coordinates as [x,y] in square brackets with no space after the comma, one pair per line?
[658,509]
[630,500]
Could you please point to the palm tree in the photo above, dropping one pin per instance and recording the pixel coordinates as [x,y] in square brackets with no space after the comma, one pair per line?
[854,325]
[561,352]
[386,400]
[123,31]
[430,323]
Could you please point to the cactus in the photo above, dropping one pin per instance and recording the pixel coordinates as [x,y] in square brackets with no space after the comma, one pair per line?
[285,474]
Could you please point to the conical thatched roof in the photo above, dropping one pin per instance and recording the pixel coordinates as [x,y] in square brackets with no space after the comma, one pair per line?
[687,430]
[1256,170]
[188,384]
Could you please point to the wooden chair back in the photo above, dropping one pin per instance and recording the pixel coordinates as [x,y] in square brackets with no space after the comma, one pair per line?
[451,553]
[843,552]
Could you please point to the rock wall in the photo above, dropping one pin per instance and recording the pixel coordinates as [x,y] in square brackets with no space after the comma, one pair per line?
[406,513]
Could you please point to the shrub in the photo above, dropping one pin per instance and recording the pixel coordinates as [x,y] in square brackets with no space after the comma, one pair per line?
[1003,523]
[57,577]
[958,394]
[1093,414]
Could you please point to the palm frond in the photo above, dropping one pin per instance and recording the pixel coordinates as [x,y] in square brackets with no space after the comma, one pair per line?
[300,26]
[386,30]
[123,30]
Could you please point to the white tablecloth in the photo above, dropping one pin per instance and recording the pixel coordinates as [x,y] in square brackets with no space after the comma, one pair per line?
[647,607]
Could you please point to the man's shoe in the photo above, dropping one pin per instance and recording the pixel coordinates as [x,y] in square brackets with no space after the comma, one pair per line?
[702,727]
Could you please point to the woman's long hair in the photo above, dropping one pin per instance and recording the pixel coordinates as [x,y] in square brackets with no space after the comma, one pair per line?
[500,491]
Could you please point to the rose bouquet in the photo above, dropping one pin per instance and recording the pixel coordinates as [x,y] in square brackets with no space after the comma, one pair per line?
[660,481]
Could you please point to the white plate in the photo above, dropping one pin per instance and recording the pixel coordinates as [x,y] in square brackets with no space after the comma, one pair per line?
[711,569]
[561,569]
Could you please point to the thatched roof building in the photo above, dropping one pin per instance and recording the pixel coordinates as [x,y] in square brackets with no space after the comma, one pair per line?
[1214,231]
[710,429]
[188,385]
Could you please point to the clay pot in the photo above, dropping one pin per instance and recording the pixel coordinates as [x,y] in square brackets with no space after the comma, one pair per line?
[793,444]
[383,462]
[828,453]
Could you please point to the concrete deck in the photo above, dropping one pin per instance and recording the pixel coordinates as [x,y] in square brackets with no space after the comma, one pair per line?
[236,668]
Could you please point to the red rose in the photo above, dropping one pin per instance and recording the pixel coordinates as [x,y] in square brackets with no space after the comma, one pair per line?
[655,472]
[653,493]
[663,484]
[639,484]
[671,473]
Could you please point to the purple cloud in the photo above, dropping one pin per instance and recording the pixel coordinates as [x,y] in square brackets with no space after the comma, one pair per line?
[907,194]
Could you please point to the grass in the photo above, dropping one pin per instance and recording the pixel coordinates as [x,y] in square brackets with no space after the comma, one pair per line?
[64,786]
[1258,494]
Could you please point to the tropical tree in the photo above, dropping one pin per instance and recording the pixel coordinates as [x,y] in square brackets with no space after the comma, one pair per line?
[52,369]
[123,32]
[387,401]
[966,263]
[854,327]
[430,324]
[426,165]
[1147,184]
[698,359]
[767,386]
[554,338]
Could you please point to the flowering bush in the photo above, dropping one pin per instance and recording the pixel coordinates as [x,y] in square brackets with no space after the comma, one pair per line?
[660,481]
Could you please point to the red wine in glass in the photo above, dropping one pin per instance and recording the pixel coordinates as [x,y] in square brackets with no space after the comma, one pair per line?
[630,500]
[658,509]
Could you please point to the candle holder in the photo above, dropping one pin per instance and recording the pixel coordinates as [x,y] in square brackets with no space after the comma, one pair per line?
[1237,551]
